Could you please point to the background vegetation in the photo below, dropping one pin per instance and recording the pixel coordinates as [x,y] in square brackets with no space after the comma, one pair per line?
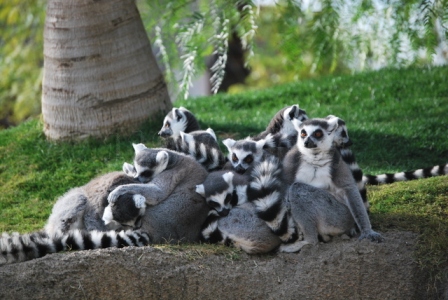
[289,41]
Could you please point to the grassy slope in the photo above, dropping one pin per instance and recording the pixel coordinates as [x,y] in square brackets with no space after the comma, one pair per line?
[397,118]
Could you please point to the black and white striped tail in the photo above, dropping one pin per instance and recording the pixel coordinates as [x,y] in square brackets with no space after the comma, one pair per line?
[267,193]
[18,248]
[349,158]
[210,232]
[387,178]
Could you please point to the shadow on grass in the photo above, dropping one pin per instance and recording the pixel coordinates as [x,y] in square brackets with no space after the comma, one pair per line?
[431,253]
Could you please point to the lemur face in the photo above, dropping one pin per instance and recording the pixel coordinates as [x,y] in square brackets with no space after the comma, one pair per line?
[244,153]
[218,193]
[174,123]
[148,163]
[125,213]
[341,139]
[316,135]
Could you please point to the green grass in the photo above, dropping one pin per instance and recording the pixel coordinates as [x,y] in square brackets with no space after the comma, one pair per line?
[398,120]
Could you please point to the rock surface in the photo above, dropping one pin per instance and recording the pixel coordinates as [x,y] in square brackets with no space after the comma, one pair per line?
[341,269]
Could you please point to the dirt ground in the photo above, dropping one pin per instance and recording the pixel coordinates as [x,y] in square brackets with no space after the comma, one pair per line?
[341,269]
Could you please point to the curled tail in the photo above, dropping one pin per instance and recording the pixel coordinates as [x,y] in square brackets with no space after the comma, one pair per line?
[267,192]
[17,248]
[439,170]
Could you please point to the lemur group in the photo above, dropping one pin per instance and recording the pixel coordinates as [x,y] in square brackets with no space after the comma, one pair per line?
[295,183]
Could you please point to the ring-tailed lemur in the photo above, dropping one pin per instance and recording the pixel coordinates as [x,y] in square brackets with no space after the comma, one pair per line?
[244,154]
[280,134]
[324,198]
[264,189]
[167,180]
[182,133]
[224,190]
[282,122]
[75,222]
[177,120]
[17,248]
[241,228]
[343,143]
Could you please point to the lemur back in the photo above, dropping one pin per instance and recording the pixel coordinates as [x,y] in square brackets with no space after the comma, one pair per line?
[324,198]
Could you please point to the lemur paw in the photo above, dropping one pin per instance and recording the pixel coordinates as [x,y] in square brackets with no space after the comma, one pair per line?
[372,236]
[115,194]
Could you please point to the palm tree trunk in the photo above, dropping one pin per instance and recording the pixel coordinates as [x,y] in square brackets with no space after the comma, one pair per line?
[100,76]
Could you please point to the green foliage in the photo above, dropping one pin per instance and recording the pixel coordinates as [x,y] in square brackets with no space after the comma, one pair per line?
[186,32]
[21,58]
[396,118]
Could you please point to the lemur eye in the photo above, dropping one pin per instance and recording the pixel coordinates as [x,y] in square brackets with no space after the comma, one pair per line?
[318,133]
[234,158]
[303,133]
[249,159]
[167,125]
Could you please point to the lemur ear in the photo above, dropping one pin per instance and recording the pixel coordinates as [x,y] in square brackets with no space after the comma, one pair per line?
[260,144]
[177,114]
[200,190]
[129,170]
[228,177]
[138,147]
[139,200]
[229,143]
[162,158]
[333,123]
[107,215]
[212,133]
[292,111]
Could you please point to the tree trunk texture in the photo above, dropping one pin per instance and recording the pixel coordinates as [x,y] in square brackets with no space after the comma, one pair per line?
[100,75]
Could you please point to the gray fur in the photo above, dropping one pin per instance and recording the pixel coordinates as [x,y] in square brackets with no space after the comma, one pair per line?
[83,207]
[316,162]
[242,229]
[174,212]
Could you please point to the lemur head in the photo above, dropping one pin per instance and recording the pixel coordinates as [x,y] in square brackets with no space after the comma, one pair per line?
[316,135]
[147,163]
[341,139]
[179,119]
[282,120]
[217,189]
[125,213]
[244,153]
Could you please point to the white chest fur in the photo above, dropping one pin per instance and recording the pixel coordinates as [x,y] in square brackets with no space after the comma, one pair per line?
[316,175]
